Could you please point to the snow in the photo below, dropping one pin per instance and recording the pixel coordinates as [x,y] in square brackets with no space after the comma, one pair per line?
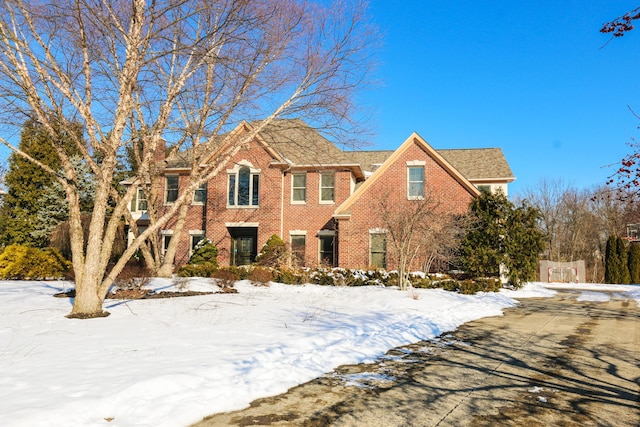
[170,362]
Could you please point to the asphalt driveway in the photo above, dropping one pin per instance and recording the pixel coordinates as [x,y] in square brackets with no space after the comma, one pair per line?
[551,361]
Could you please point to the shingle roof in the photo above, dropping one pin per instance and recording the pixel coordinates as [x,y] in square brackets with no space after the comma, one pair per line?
[472,163]
[479,163]
[301,145]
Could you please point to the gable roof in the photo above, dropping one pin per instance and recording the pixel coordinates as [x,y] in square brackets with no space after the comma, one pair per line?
[291,142]
[414,138]
[476,164]
[295,144]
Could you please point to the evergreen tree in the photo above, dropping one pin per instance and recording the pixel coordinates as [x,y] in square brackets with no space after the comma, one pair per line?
[54,208]
[524,243]
[502,234]
[634,263]
[26,184]
[623,262]
[611,259]
[483,246]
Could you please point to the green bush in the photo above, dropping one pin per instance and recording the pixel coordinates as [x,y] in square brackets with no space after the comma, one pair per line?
[203,262]
[288,277]
[23,262]
[273,253]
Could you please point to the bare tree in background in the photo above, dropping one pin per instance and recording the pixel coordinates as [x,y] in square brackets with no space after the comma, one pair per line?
[184,72]
[577,223]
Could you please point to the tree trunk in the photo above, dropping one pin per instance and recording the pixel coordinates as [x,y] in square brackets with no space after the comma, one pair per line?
[87,303]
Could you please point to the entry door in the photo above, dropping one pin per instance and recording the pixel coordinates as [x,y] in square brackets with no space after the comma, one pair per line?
[243,245]
[243,250]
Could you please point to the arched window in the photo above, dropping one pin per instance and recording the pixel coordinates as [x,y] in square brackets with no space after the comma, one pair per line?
[244,186]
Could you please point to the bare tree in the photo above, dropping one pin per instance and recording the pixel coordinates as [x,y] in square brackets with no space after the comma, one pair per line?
[184,71]
[418,232]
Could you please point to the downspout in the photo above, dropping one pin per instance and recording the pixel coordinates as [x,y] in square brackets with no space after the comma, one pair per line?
[284,172]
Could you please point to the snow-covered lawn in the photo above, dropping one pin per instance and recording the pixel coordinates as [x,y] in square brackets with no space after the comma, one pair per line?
[169,362]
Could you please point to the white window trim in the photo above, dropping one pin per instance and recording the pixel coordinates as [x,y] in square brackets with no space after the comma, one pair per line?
[376,231]
[415,164]
[326,202]
[192,234]
[326,233]
[164,233]
[139,191]
[235,171]
[203,186]
[298,233]
[299,202]
[166,188]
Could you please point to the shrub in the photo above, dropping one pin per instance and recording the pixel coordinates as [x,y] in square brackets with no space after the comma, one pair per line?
[226,278]
[23,262]
[288,276]
[133,277]
[205,252]
[273,253]
[203,262]
[260,276]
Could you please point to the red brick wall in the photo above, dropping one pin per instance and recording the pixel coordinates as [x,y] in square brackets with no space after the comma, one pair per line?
[277,214]
[392,186]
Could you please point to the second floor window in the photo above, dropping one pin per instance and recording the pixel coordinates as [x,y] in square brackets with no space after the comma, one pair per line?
[142,200]
[139,202]
[415,188]
[299,187]
[327,181]
[200,195]
[243,187]
[171,189]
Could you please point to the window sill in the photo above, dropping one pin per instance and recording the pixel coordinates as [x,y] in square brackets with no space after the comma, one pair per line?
[242,207]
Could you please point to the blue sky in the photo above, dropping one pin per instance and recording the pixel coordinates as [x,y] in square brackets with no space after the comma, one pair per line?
[530,77]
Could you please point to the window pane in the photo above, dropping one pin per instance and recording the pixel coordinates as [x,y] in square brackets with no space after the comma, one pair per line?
[327,180]
[378,250]
[195,239]
[142,200]
[327,195]
[200,194]
[172,189]
[326,250]
[165,242]
[298,244]
[416,189]
[244,177]
[326,187]
[232,190]
[416,182]
[299,187]
[256,185]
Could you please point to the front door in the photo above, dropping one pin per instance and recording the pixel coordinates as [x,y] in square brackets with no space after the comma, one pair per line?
[243,245]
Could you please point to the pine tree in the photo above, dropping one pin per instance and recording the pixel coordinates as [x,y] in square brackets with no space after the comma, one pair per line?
[634,263]
[502,234]
[54,208]
[623,256]
[524,243]
[483,247]
[26,184]
[610,268]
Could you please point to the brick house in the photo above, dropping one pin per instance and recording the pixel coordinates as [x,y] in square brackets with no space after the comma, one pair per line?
[322,201]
